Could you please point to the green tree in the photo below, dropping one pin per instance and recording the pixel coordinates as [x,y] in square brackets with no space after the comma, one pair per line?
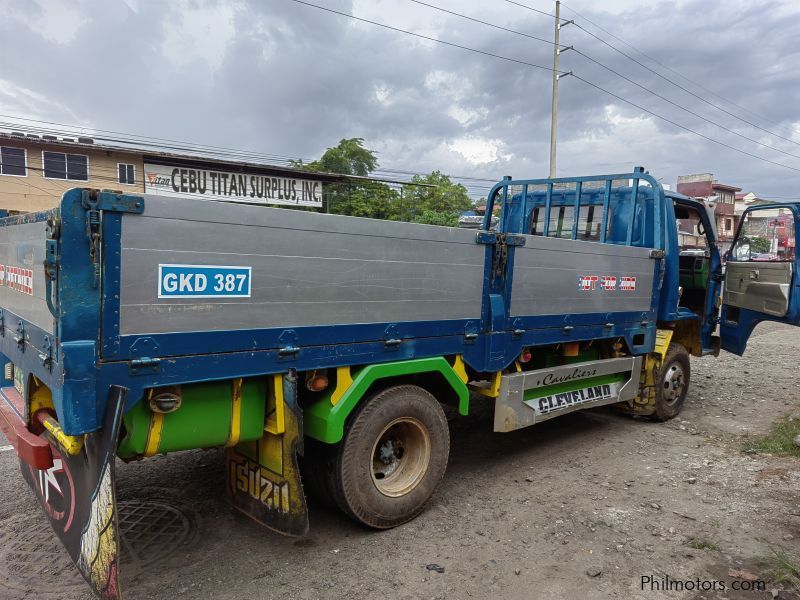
[349,157]
[448,218]
[357,198]
[435,199]
[371,199]
[760,244]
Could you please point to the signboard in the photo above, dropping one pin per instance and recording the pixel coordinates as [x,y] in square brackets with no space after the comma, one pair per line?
[205,184]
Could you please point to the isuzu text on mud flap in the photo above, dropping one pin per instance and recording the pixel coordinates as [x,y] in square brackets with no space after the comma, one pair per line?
[136,325]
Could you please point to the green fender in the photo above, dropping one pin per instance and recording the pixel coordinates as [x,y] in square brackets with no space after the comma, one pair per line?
[324,421]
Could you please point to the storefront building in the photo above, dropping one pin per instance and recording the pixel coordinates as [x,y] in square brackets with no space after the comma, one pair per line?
[36,170]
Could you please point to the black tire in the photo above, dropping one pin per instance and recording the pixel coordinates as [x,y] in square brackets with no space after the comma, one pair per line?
[317,460]
[672,383]
[393,455]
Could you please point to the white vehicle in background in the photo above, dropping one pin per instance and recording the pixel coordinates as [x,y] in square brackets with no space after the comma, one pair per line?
[469,219]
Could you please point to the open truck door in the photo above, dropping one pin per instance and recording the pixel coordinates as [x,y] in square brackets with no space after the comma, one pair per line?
[761,274]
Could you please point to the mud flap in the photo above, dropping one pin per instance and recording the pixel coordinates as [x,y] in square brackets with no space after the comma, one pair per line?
[263,479]
[79,497]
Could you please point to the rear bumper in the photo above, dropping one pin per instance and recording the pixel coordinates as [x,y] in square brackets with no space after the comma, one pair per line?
[31,448]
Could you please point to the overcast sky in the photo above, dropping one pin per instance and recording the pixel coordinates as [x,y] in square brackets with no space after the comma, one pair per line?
[277,77]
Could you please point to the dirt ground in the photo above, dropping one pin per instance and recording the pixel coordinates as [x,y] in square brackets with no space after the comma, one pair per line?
[579,507]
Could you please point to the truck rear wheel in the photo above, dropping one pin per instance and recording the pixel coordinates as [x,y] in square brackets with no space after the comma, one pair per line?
[391,459]
[672,384]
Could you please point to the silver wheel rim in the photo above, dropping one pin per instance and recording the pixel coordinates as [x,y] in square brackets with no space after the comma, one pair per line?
[400,457]
[674,383]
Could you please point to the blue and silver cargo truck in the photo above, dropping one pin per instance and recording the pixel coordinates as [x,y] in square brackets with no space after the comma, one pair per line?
[134,325]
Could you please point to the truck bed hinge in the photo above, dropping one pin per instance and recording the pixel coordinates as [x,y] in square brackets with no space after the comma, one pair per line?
[95,201]
[93,233]
[46,355]
[501,243]
[19,337]
[51,260]
[145,365]
[657,253]
[491,237]
[112,202]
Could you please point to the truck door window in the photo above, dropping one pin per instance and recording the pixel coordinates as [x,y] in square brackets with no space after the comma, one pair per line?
[693,259]
[629,219]
[765,236]
[691,234]
[561,221]
[537,227]
[589,222]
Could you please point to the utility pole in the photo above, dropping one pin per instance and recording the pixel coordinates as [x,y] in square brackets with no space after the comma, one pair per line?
[556,76]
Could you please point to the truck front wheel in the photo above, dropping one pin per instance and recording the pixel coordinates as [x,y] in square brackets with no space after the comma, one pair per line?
[672,383]
[391,459]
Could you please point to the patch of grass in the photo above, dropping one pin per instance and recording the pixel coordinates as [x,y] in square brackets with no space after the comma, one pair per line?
[703,544]
[785,568]
[779,441]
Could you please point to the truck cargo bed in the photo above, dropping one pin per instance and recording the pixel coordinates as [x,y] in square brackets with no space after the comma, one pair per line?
[143,290]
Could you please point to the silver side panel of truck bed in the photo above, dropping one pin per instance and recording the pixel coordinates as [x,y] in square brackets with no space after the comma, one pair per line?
[548,272]
[22,280]
[308,269]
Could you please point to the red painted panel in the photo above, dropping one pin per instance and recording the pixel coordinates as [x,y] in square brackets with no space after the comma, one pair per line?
[30,448]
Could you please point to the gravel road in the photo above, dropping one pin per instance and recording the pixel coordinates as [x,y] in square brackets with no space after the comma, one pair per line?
[579,507]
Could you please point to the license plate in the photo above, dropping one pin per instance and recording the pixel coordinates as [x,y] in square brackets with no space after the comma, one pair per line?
[203,281]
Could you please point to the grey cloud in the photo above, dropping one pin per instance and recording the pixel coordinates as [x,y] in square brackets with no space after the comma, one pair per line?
[293,80]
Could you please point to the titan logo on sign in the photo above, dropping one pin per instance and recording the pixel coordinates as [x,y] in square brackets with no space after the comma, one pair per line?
[204,184]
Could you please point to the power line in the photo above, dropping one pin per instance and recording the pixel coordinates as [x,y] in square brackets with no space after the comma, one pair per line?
[536,10]
[681,87]
[668,68]
[113,183]
[670,121]
[455,14]
[610,93]
[683,108]
[621,75]
[505,59]
[425,37]
[45,192]
[101,174]
[182,146]
[153,142]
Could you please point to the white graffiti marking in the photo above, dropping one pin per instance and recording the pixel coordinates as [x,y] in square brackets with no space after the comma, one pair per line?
[48,478]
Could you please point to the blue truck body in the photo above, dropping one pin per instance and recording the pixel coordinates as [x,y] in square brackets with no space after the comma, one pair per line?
[87,355]
[573,262]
